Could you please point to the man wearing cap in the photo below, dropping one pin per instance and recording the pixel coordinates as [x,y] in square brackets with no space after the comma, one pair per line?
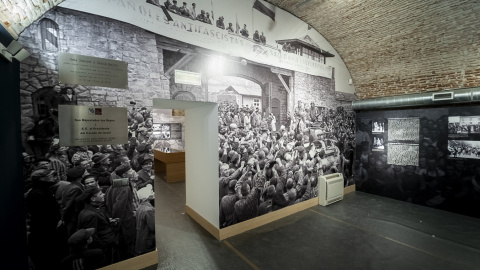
[69,206]
[174,8]
[121,160]
[227,176]
[207,19]
[44,216]
[118,151]
[167,4]
[184,10]
[220,23]
[267,205]
[244,31]
[201,17]
[256,118]
[263,39]
[304,192]
[89,180]
[227,206]
[129,172]
[81,256]
[142,151]
[247,206]
[145,175]
[256,36]
[87,164]
[95,216]
[121,203]
[100,169]
[145,221]
[142,135]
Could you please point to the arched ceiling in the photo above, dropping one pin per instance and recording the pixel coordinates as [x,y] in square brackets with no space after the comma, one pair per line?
[390,47]
[396,47]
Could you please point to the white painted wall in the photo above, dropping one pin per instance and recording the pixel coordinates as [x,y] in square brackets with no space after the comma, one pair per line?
[201,155]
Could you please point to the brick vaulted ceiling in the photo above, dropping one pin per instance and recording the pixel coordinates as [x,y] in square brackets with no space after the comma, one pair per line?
[391,47]
[395,47]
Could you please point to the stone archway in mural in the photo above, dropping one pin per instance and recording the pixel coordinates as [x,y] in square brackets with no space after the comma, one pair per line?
[183,95]
[238,90]
[275,83]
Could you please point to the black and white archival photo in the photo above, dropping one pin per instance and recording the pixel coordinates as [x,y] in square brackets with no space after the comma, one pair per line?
[378,143]
[283,118]
[404,129]
[402,154]
[464,149]
[378,125]
[464,126]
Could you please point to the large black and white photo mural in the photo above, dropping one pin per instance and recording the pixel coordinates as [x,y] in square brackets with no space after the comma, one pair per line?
[284,117]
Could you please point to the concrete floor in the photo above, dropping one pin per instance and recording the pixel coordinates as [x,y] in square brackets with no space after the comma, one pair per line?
[361,232]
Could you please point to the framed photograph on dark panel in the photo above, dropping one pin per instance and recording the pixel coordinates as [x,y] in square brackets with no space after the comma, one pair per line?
[404,129]
[378,125]
[378,142]
[464,149]
[402,154]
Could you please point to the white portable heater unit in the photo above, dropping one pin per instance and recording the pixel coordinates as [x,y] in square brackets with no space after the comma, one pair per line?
[330,188]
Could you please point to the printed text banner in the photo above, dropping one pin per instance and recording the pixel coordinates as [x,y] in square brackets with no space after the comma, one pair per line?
[154,18]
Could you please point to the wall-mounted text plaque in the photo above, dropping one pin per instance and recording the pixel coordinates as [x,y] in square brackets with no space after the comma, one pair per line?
[87,70]
[87,125]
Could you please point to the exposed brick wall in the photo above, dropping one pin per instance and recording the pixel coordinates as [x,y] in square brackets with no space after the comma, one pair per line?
[398,47]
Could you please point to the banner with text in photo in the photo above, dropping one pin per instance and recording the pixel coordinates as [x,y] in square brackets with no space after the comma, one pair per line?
[236,28]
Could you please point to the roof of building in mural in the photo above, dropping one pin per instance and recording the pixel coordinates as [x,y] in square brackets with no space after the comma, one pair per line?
[241,90]
[307,42]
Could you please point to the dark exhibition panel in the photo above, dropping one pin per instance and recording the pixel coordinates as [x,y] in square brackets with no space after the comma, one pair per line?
[13,229]
[428,156]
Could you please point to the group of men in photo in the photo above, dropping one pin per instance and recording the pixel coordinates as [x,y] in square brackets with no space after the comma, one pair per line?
[203,16]
[263,168]
[88,205]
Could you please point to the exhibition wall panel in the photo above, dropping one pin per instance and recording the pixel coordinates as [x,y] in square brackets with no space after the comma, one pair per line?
[268,114]
[12,215]
[424,156]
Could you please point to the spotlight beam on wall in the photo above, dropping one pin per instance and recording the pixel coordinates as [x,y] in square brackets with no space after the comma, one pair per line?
[14,51]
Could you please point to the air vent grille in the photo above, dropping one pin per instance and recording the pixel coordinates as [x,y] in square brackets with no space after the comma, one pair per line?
[442,96]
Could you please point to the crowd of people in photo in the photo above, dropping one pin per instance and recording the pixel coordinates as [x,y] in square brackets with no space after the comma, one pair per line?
[266,164]
[457,128]
[87,205]
[463,149]
[90,204]
[438,181]
[203,16]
